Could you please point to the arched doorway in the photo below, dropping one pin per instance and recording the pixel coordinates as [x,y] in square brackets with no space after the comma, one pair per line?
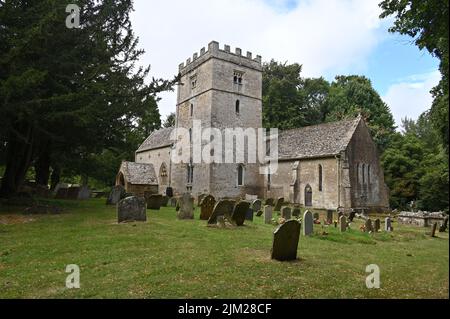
[163,175]
[308,195]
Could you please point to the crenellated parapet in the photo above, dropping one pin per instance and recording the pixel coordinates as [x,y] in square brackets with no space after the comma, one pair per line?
[214,51]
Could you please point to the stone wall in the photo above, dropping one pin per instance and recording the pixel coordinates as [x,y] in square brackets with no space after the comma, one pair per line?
[422,219]
[157,157]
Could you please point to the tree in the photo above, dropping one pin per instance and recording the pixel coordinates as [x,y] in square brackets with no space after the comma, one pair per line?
[353,95]
[68,94]
[170,120]
[427,23]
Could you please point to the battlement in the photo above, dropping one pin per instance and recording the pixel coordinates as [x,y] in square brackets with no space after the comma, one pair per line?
[224,54]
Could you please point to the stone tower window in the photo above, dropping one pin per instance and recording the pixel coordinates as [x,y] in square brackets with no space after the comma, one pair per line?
[237,77]
[320,178]
[240,175]
[363,173]
[193,81]
[357,173]
[190,173]
[191,110]
[368,174]
[163,174]
[237,105]
[190,135]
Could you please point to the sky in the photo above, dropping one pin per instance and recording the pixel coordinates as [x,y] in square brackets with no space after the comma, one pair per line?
[328,37]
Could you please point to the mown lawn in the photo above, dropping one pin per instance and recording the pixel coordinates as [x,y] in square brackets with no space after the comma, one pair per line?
[168,258]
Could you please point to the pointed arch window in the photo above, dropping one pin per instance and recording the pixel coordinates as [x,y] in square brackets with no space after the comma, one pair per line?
[320,178]
[240,175]
[237,106]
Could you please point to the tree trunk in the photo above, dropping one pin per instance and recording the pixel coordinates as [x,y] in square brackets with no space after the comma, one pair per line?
[42,165]
[55,178]
[19,153]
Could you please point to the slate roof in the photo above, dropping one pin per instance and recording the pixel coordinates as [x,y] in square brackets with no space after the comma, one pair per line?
[139,173]
[157,139]
[321,140]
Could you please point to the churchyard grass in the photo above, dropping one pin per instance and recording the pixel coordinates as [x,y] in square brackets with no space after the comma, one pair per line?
[170,258]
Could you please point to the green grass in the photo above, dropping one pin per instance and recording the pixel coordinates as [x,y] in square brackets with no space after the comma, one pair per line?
[169,258]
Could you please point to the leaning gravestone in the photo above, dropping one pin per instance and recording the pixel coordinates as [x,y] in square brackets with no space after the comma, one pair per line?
[223,207]
[267,214]
[296,212]
[256,206]
[342,223]
[206,207]
[285,241]
[329,216]
[377,225]
[84,193]
[186,207]
[387,224]
[116,194]
[278,204]
[286,212]
[131,209]
[368,224]
[307,224]
[164,201]
[154,201]
[433,230]
[239,212]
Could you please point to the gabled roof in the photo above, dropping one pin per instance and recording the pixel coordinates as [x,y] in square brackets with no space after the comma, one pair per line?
[157,139]
[321,140]
[138,173]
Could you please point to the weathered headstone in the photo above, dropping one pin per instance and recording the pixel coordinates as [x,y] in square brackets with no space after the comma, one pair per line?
[72,192]
[259,213]
[239,212]
[61,193]
[307,223]
[164,201]
[369,226]
[200,197]
[154,201]
[342,223]
[329,216]
[352,216]
[207,206]
[340,214]
[285,241]
[387,224]
[267,214]
[116,194]
[84,193]
[60,185]
[444,225]
[186,207]
[131,209]
[377,225]
[278,204]
[296,212]
[172,202]
[223,207]
[286,212]
[256,205]
[249,214]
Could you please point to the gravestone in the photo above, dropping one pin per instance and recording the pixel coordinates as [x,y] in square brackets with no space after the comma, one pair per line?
[154,201]
[387,224]
[256,206]
[249,214]
[342,223]
[250,198]
[84,193]
[164,201]
[259,213]
[316,216]
[286,212]
[296,211]
[172,202]
[72,192]
[199,198]
[377,225]
[60,185]
[444,225]
[116,194]
[285,241]
[267,214]
[329,216]
[269,201]
[223,207]
[278,204]
[340,214]
[307,223]
[185,207]
[352,216]
[239,212]
[369,226]
[206,207]
[433,229]
[131,209]
[61,193]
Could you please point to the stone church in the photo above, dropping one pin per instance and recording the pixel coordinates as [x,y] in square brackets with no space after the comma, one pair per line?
[326,166]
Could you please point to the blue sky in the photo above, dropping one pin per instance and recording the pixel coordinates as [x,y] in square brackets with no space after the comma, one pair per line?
[328,37]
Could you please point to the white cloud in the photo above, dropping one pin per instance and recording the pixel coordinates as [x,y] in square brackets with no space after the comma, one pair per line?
[326,36]
[411,95]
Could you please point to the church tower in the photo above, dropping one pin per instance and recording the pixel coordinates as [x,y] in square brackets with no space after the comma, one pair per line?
[223,90]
